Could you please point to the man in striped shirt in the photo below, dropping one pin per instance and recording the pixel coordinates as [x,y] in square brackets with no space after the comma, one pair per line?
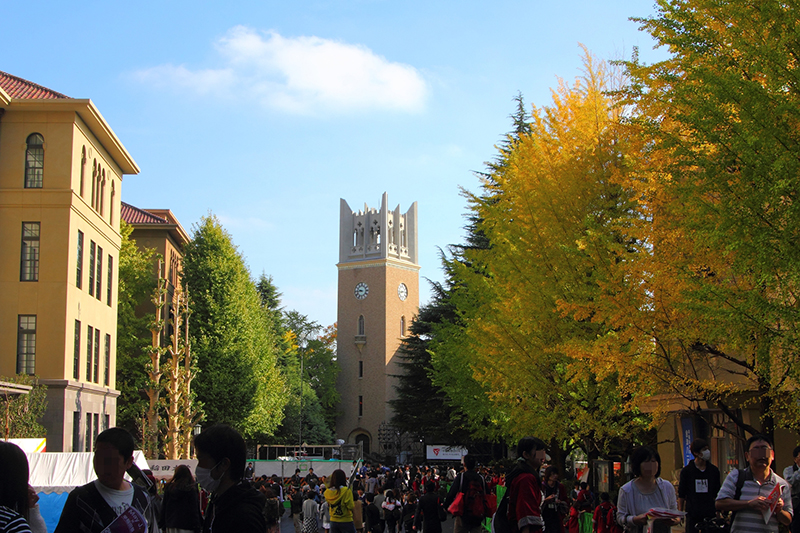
[759,481]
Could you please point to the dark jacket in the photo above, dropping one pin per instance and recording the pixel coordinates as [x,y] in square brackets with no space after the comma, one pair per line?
[373,518]
[461,484]
[86,511]
[180,508]
[428,513]
[240,509]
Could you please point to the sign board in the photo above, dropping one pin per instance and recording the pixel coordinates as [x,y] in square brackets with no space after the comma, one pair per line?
[445,453]
[31,445]
[166,468]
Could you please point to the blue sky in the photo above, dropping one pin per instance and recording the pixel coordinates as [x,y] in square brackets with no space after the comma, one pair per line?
[267,113]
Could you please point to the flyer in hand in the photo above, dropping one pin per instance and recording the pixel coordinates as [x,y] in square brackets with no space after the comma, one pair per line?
[663,512]
[772,499]
[659,519]
[130,521]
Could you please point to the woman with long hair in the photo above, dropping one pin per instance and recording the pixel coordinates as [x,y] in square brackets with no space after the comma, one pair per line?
[340,502]
[18,510]
[272,509]
[180,508]
[392,510]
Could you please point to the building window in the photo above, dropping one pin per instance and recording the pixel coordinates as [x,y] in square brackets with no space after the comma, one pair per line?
[77,351]
[402,326]
[361,369]
[361,326]
[111,204]
[102,195]
[99,274]
[96,425]
[79,270]
[106,422]
[29,256]
[106,376]
[26,344]
[94,182]
[88,432]
[92,252]
[34,162]
[360,406]
[96,355]
[109,278]
[76,431]
[83,168]
[89,351]
[96,186]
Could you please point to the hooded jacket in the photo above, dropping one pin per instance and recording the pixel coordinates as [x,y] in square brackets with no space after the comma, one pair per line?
[525,495]
[340,502]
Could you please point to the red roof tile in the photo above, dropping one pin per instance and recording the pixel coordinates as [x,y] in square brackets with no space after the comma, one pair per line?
[134,215]
[19,88]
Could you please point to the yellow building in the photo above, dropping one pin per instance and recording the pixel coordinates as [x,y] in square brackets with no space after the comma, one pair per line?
[61,169]
[378,298]
[159,230]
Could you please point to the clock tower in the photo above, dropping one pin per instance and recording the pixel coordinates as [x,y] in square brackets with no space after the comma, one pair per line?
[378,298]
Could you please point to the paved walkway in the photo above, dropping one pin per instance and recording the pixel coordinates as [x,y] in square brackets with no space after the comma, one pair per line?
[287,526]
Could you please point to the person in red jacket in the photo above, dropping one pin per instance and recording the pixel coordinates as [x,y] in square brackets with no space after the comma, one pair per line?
[600,519]
[525,488]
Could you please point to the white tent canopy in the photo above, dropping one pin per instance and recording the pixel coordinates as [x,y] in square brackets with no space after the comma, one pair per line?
[62,472]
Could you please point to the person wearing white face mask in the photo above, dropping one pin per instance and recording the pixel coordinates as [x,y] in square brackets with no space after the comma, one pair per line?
[698,486]
[645,492]
[234,506]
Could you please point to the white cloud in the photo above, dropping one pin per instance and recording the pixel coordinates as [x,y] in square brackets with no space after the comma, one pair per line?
[304,75]
[245,223]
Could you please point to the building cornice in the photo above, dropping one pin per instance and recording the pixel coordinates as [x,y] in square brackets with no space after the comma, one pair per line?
[90,115]
[377,263]
[73,385]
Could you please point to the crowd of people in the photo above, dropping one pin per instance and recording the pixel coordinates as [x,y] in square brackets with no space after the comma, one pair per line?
[409,499]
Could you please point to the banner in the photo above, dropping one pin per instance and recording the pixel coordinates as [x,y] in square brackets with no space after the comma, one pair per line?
[166,468]
[31,445]
[687,436]
[446,453]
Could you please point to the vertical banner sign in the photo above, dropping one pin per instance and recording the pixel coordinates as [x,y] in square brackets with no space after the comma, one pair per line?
[687,436]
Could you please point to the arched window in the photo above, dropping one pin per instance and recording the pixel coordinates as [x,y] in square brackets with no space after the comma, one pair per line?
[34,162]
[111,204]
[364,441]
[361,326]
[83,168]
[402,326]
[94,181]
[97,178]
[102,201]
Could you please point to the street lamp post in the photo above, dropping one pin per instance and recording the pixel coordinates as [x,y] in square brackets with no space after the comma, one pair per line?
[196,430]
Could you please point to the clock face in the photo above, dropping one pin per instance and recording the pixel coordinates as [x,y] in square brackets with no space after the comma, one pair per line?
[402,291]
[361,290]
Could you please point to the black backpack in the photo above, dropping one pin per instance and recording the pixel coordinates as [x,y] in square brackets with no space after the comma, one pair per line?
[500,522]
